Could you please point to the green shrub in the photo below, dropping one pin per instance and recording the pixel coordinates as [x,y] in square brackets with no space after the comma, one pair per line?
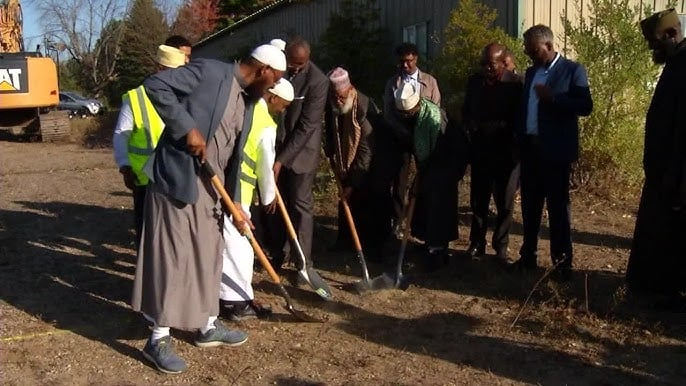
[469,29]
[609,43]
[355,41]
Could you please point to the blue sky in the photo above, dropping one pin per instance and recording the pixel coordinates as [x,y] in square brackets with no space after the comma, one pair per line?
[33,29]
[31,26]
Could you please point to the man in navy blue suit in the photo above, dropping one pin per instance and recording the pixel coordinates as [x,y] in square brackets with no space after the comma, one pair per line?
[556,94]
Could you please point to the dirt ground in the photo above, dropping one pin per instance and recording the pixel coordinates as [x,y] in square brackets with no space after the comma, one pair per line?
[66,266]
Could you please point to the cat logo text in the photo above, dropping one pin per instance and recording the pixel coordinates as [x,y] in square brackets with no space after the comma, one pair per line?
[10,79]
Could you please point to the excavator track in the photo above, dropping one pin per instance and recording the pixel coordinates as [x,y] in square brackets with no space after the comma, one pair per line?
[55,126]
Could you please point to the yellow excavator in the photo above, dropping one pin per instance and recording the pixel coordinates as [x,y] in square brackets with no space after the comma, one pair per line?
[29,90]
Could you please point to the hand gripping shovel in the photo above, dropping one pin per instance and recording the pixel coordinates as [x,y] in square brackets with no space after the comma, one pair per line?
[247,233]
[308,274]
[364,284]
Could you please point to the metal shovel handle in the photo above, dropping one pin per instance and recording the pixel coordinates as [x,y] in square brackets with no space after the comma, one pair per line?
[320,287]
[409,213]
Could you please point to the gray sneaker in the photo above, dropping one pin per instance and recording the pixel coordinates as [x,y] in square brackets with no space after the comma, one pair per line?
[221,335]
[161,353]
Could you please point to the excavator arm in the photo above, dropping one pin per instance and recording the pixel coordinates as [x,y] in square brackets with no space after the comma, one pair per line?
[11,22]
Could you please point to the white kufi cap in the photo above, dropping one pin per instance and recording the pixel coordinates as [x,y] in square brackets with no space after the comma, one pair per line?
[284,89]
[406,97]
[271,56]
[278,43]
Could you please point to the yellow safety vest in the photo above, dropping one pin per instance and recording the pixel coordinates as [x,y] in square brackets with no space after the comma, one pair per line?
[147,129]
[261,121]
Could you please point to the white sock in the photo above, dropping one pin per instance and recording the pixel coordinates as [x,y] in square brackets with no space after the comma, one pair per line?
[159,332]
[210,324]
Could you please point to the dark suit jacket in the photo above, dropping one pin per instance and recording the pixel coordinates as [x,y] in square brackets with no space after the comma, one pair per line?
[299,136]
[558,120]
[490,113]
[367,111]
[191,96]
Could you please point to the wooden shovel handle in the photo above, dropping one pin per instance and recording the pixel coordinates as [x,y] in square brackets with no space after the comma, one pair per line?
[237,215]
[286,217]
[348,216]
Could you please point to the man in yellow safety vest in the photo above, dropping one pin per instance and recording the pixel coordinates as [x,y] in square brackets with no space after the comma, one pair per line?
[138,129]
[253,168]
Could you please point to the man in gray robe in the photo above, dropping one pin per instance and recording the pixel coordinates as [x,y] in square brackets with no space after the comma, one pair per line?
[179,261]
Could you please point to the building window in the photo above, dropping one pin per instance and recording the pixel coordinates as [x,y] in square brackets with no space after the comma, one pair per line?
[416,34]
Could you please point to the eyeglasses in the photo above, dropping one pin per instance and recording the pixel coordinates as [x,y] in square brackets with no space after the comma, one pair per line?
[407,61]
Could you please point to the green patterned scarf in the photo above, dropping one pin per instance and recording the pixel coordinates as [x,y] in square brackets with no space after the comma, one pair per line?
[427,129]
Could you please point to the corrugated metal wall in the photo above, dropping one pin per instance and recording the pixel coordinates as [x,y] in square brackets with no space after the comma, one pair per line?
[550,12]
[311,18]
[396,14]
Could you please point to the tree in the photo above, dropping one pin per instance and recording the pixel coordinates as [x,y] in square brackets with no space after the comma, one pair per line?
[145,28]
[81,25]
[70,76]
[469,29]
[196,19]
[354,40]
[233,10]
[609,43]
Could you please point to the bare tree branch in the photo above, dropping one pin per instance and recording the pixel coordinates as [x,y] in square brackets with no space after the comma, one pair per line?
[86,28]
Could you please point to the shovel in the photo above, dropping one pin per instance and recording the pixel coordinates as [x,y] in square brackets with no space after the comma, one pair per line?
[308,274]
[385,280]
[247,233]
[365,284]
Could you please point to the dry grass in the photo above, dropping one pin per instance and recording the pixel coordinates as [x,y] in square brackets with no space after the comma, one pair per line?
[94,132]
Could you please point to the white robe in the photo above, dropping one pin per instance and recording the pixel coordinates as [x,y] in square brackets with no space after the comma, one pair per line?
[238,256]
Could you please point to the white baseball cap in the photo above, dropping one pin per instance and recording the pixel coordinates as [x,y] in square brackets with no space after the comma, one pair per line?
[284,89]
[271,56]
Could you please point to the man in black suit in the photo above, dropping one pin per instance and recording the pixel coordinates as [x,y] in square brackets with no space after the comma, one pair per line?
[556,94]
[298,145]
[489,113]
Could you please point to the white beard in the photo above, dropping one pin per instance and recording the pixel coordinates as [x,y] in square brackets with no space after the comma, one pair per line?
[347,106]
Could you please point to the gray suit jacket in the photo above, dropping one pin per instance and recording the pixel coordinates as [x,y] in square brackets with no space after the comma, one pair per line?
[191,96]
[299,137]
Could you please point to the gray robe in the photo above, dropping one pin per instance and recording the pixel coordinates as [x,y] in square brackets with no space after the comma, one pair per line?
[179,261]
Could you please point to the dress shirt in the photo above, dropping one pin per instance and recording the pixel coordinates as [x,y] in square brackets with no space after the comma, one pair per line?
[540,77]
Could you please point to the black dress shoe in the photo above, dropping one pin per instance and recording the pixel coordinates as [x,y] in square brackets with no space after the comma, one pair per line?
[501,256]
[523,265]
[475,250]
[243,310]
[435,260]
[562,274]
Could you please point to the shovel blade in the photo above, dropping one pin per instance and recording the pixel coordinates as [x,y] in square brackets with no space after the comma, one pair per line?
[298,314]
[316,282]
[303,317]
[382,282]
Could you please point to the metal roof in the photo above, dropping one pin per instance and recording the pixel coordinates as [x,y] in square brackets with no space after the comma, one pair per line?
[262,12]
